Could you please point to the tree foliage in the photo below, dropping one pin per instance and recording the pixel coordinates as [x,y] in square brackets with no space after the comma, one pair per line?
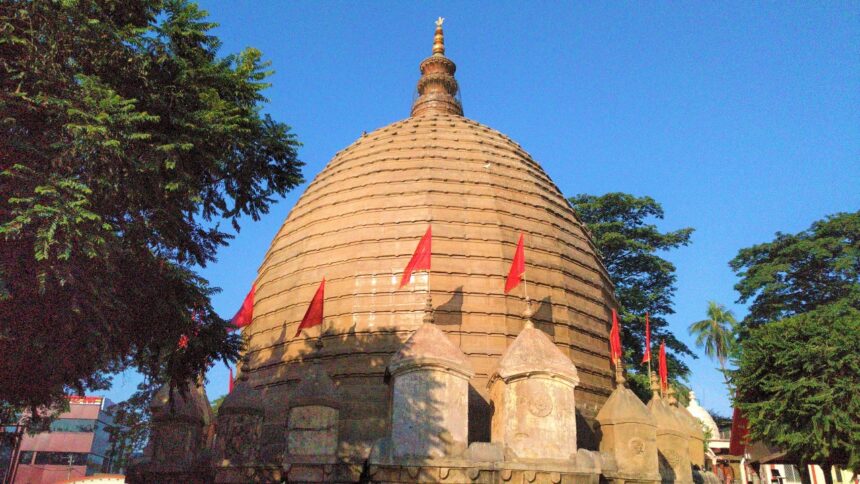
[124,139]
[798,273]
[644,282]
[129,432]
[798,384]
[798,377]
[717,334]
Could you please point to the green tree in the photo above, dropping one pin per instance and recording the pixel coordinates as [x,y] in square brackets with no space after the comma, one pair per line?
[124,140]
[716,335]
[129,432]
[798,384]
[797,273]
[644,282]
[216,404]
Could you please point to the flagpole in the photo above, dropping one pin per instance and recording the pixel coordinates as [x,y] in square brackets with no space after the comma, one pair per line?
[526,289]
[648,339]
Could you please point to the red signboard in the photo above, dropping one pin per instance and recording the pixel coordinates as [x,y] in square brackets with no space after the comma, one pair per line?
[74,399]
[740,432]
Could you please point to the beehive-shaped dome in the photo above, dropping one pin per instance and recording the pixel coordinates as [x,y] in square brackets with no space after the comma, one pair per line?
[357,225]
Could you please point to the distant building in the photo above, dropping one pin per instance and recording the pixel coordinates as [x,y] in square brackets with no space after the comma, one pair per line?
[760,463]
[76,445]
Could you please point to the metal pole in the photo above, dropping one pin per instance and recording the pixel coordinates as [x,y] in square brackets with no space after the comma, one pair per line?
[16,453]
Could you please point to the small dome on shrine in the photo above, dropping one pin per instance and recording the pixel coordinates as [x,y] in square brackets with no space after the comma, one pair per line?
[623,406]
[243,399]
[699,412]
[429,346]
[534,353]
[193,406]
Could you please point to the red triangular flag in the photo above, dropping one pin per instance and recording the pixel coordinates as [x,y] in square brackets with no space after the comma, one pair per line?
[420,259]
[740,432]
[230,385]
[615,340]
[664,372]
[518,267]
[314,314]
[647,355]
[245,314]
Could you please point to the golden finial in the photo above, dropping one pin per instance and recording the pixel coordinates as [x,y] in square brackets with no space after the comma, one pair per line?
[619,373]
[655,387]
[437,88]
[527,314]
[670,392]
[439,38]
[428,309]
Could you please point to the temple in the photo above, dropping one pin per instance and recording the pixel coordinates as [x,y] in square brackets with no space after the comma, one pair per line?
[448,379]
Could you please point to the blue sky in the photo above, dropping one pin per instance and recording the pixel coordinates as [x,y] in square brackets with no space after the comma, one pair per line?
[741,118]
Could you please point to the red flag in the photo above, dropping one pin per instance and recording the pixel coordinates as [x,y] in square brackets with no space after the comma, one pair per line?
[740,432]
[518,267]
[647,355]
[230,385]
[664,372]
[615,340]
[420,259]
[245,314]
[314,314]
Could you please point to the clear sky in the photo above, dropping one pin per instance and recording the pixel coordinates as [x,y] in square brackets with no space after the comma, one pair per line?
[741,118]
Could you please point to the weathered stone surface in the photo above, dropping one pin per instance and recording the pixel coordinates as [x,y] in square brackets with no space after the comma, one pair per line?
[673,451]
[313,419]
[695,436]
[239,425]
[628,433]
[430,347]
[319,434]
[178,450]
[532,392]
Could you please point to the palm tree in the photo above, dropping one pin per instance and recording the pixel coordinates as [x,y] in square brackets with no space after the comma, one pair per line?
[716,334]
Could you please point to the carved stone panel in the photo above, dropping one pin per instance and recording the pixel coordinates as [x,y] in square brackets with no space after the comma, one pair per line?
[536,419]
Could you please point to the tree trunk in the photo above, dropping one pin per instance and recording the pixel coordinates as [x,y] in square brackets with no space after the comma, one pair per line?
[805,478]
[828,476]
